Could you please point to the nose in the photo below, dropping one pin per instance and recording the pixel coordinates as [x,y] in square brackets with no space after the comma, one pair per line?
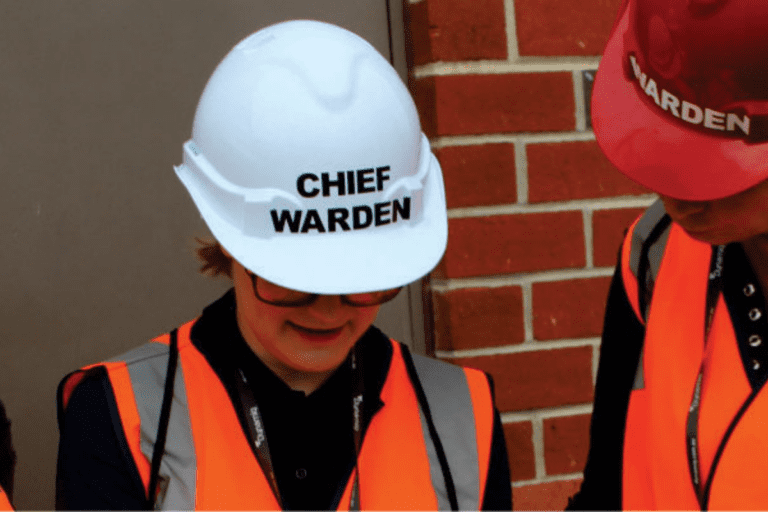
[326,307]
[678,208]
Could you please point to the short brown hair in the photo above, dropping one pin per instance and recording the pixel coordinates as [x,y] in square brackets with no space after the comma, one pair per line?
[215,261]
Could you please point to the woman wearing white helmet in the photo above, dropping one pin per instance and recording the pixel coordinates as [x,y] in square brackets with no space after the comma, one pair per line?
[308,164]
[679,105]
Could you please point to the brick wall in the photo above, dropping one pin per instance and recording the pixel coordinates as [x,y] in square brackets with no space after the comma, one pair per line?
[536,215]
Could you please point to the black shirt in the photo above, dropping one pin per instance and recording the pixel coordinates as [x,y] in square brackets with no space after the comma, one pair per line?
[309,436]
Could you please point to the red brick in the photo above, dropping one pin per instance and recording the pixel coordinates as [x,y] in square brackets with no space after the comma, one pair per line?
[563,171]
[566,442]
[608,227]
[564,27]
[538,379]
[557,315]
[478,317]
[424,95]
[461,30]
[479,104]
[546,496]
[479,175]
[506,244]
[522,461]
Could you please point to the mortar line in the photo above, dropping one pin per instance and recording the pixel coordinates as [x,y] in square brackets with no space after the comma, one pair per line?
[498,67]
[446,285]
[589,238]
[537,437]
[491,138]
[521,172]
[580,113]
[549,479]
[520,348]
[546,413]
[609,203]
[527,289]
[513,50]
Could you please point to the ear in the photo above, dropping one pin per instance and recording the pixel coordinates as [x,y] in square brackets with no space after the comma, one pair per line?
[232,261]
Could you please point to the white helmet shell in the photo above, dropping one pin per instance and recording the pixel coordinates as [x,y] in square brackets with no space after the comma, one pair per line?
[308,164]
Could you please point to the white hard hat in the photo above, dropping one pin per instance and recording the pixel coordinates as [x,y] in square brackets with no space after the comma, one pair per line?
[308,163]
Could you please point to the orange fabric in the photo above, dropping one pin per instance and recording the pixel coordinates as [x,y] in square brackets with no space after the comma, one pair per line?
[165,339]
[739,482]
[636,481]
[656,472]
[395,475]
[69,386]
[4,503]
[655,469]
[392,475]
[225,463]
[220,445]
[629,279]
[724,386]
[482,404]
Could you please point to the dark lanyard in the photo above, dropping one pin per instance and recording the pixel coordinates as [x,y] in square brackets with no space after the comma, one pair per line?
[259,435]
[714,289]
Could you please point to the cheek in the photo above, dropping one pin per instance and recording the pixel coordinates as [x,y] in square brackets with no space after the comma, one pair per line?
[364,317]
[742,220]
[269,326]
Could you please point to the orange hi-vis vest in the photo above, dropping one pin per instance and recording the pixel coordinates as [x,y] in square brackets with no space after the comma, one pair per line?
[732,437]
[208,462]
[5,504]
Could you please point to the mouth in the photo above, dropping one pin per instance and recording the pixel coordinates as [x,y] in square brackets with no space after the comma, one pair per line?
[317,335]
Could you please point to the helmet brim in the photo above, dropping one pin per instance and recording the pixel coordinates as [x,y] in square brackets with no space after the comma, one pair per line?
[351,262]
[658,152]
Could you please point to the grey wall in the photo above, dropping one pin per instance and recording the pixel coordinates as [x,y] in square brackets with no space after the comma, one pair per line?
[96,98]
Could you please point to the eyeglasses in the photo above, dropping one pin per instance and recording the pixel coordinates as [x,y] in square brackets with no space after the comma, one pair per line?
[277,295]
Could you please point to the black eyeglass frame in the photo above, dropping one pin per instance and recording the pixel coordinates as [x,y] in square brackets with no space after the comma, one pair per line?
[312,297]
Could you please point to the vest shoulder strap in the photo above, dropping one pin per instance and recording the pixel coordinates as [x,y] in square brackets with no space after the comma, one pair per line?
[641,260]
[459,420]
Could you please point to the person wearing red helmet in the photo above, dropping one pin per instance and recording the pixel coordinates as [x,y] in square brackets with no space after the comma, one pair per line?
[680,105]
[308,164]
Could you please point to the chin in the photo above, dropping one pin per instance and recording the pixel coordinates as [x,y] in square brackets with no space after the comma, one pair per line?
[316,365]
[711,237]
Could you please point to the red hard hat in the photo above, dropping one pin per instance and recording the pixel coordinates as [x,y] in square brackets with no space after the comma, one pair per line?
[680,101]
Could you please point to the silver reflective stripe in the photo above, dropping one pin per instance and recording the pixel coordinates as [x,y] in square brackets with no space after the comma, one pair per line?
[639,382]
[450,403]
[147,367]
[642,231]
[645,284]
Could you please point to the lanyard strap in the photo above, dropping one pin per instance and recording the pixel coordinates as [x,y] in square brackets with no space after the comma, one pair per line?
[692,440]
[165,416]
[714,286]
[714,289]
[258,433]
[357,425]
